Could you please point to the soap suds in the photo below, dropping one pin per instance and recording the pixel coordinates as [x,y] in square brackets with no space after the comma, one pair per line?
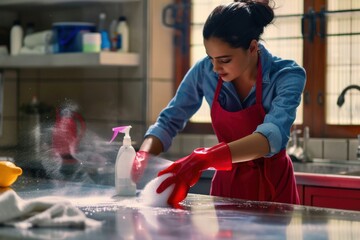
[150,197]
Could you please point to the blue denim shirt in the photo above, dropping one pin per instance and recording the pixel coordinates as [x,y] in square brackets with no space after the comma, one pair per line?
[283,84]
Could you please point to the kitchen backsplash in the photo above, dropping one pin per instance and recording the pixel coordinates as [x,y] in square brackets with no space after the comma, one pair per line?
[104,98]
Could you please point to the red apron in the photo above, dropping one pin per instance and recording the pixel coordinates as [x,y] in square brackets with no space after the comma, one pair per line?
[262,179]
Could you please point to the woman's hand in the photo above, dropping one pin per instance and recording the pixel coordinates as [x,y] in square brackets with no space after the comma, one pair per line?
[187,170]
[139,165]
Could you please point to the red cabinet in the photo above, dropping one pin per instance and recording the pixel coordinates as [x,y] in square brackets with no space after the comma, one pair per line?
[348,199]
[329,191]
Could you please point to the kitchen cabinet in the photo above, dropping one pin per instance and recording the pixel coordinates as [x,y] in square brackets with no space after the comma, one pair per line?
[348,199]
[319,190]
[330,191]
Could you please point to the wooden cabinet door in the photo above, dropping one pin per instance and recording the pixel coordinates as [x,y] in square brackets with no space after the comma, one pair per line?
[348,199]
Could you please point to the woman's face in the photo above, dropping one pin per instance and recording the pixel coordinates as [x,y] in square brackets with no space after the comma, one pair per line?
[229,63]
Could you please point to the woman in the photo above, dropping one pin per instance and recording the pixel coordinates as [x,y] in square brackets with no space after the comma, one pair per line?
[253,97]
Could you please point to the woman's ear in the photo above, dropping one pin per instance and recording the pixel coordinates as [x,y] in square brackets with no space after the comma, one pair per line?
[253,46]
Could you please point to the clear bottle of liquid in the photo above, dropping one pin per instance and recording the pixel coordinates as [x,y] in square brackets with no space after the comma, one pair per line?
[122,31]
[105,41]
[124,186]
[113,34]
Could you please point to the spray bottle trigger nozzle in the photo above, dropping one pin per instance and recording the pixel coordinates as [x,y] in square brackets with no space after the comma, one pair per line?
[116,130]
[122,129]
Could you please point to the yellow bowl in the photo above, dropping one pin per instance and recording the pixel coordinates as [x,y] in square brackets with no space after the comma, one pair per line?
[9,173]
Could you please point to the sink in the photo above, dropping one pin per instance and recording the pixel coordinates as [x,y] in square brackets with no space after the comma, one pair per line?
[354,173]
[328,167]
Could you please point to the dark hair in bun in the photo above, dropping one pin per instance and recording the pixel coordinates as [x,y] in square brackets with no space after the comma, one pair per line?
[240,22]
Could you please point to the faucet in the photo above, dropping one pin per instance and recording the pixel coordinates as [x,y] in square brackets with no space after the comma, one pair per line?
[341,98]
[297,152]
[340,102]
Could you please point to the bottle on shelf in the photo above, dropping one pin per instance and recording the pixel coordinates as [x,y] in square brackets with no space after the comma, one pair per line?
[16,38]
[113,34]
[122,31]
[105,42]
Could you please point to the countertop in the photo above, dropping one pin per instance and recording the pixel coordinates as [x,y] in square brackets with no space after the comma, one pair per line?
[201,217]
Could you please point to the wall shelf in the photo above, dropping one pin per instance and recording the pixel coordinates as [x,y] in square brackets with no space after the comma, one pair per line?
[70,60]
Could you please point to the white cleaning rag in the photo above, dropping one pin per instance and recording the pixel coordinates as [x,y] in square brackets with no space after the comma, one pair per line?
[40,49]
[41,212]
[45,37]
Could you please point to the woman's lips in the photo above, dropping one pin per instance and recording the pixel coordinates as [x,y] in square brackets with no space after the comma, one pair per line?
[222,75]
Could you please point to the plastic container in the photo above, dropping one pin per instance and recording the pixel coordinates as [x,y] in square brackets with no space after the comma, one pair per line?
[105,41]
[91,42]
[9,173]
[122,31]
[68,35]
[113,34]
[124,185]
[16,38]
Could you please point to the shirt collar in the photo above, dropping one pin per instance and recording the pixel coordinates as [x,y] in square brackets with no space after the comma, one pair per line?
[265,58]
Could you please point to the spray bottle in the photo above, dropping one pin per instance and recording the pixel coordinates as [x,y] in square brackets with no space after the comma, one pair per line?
[123,184]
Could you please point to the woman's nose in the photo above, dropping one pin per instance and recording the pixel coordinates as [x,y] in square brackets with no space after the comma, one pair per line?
[216,67]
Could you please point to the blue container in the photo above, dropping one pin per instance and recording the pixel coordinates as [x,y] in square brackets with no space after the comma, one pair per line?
[68,35]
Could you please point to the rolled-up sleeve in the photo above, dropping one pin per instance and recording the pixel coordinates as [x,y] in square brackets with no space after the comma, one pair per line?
[286,88]
[180,109]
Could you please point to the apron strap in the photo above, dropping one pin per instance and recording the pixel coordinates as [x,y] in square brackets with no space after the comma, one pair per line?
[218,88]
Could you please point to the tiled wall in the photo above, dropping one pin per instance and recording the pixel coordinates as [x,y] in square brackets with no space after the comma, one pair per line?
[9,131]
[331,149]
[105,96]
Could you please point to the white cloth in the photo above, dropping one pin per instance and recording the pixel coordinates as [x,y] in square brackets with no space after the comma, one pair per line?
[40,49]
[41,212]
[45,37]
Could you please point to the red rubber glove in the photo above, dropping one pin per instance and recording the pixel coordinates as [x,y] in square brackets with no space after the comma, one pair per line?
[187,170]
[139,165]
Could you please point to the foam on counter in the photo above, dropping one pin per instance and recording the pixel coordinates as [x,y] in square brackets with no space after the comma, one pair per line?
[150,197]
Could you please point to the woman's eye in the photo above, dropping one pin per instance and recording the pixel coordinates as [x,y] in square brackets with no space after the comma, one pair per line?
[226,60]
